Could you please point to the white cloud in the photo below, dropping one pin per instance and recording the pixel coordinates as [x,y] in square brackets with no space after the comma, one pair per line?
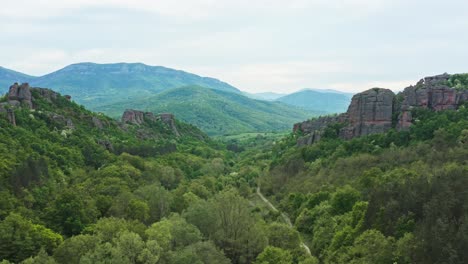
[279,77]
[256,45]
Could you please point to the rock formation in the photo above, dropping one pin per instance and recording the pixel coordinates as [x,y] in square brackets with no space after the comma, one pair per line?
[11,116]
[432,93]
[373,111]
[136,117]
[19,94]
[169,120]
[47,94]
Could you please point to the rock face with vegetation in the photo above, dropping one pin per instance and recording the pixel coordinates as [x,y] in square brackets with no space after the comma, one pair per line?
[139,117]
[430,93]
[378,110]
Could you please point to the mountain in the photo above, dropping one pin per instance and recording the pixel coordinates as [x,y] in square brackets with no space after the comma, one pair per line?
[329,101]
[7,77]
[267,96]
[95,84]
[217,112]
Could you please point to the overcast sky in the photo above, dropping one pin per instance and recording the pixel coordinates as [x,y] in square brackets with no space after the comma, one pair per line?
[257,46]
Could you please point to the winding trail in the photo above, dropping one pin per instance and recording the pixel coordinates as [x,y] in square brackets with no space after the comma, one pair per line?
[283,215]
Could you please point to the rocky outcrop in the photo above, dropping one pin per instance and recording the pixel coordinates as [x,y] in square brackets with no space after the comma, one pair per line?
[47,94]
[431,93]
[136,117]
[375,110]
[20,94]
[11,116]
[97,122]
[106,144]
[370,112]
[169,120]
[313,129]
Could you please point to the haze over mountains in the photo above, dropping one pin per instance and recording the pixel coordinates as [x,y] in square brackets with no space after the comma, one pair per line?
[213,105]
[328,101]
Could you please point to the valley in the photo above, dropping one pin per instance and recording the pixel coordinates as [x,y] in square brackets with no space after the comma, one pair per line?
[377,184]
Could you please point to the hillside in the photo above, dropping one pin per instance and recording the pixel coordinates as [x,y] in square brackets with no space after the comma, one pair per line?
[382,183]
[386,185]
[328,101]
[267,96]
[95,85]
[217,112]
[7,77]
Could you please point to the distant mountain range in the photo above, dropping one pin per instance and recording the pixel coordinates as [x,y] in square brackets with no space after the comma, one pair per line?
[329,101]
[8,77]
[101,84]
[213,105]
[267,96]
[217,112]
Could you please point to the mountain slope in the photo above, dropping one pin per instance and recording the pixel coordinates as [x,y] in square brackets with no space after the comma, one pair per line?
[323,100]
[217,112]
[7,77]
[99,84]
[267,96]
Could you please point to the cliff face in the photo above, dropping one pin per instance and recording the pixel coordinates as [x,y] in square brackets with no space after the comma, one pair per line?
[373,111]
[370,112]
[136,117]
[431,93]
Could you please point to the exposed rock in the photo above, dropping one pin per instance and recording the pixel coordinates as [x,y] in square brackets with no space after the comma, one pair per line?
[20,94]
[106,144]
[313,129]
[70,124]
[169,119]
[97,122]
[68,97]
[11,116]
[139,117]
[47,94]
[133,117]
[318,123]
[431,93]
[370,112]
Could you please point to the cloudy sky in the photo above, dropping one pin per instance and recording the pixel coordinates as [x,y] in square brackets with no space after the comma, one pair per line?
[257,46]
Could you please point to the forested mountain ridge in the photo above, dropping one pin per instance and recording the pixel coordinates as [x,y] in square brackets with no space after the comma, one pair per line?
[218,112]
[80,187]
[95,84]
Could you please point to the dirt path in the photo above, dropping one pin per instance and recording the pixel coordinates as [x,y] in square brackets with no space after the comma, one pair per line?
[283,215]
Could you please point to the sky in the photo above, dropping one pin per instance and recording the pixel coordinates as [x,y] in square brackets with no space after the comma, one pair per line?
[255,45]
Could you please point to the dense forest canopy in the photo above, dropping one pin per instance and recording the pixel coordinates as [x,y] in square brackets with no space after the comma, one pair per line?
[80,187]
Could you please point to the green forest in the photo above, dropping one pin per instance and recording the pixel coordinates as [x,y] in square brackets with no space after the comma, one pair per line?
[79,187]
